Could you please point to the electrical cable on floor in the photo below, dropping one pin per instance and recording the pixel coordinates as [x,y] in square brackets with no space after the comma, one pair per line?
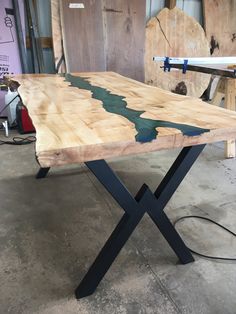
[17,140]
[214,222]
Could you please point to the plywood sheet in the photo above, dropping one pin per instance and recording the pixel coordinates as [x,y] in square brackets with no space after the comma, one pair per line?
[175,34]
[105,115]
[220,26]
[57,37]
[83,36]
[125,36]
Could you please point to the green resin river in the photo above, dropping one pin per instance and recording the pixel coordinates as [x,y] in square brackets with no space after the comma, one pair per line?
[146,128]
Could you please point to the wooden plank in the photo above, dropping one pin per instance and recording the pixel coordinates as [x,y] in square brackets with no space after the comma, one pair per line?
[230,149]
[173,33]
[58,49]
[220,26]
[125,37]
[226,88]
[78,124]
[219,92]
[230,104]
[82,30]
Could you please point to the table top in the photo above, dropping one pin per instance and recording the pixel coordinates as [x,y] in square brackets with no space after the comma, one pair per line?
[88,116]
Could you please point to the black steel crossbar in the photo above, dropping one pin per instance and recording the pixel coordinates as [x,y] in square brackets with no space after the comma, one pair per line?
[135,207]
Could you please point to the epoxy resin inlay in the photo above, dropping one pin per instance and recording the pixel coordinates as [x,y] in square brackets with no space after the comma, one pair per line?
[146,128]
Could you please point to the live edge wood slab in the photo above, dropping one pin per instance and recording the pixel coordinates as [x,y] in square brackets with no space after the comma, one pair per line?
[89,116]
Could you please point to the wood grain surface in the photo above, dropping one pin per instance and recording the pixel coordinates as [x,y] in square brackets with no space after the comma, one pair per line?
[58,50]
[220,26]
[125,36]
[173,33]
[83,36]
[105,35]
[230,103]
[74,125]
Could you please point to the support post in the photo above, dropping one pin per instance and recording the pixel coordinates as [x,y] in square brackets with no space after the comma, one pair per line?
[230,94]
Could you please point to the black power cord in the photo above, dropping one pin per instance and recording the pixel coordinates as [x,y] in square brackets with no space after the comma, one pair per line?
[214,222]
[17,140]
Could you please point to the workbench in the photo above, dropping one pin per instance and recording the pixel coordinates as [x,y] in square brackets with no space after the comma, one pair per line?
[90,117]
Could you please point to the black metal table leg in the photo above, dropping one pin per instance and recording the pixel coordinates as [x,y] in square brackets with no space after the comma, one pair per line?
[114,186]
[135,208]
[133,214]
[107,255]
[164,192]
[42,173]
[166,228]
[176,173]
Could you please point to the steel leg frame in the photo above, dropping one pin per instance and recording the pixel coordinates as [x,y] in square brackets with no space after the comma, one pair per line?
[42,173]
[135,207]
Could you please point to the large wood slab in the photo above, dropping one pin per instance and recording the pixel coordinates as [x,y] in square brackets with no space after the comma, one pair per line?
[220,26]
[175,34]
[83,36]
[104,35]
[58,50]
[125,36]
[110,115]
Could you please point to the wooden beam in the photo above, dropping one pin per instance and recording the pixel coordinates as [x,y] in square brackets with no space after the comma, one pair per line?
[230,94]
[170,4]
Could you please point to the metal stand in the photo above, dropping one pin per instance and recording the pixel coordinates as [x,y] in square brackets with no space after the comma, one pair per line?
[144,202]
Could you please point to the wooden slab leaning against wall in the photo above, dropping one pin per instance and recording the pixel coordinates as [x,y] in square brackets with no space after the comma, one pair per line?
[58,51]
[125,37]
[105,35]
[174,33]
[83,36]
[220,26]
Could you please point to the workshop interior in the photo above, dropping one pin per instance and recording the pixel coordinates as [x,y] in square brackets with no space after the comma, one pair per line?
[117,146]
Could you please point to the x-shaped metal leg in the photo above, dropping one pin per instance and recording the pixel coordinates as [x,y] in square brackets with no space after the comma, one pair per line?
[135,208]
[42,173]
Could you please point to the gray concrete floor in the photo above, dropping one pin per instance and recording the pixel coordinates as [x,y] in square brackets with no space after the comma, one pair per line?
[51,230]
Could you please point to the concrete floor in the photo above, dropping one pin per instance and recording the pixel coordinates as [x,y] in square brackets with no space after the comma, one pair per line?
[51,230]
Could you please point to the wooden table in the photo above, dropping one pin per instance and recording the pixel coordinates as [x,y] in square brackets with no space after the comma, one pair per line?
[89,117]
